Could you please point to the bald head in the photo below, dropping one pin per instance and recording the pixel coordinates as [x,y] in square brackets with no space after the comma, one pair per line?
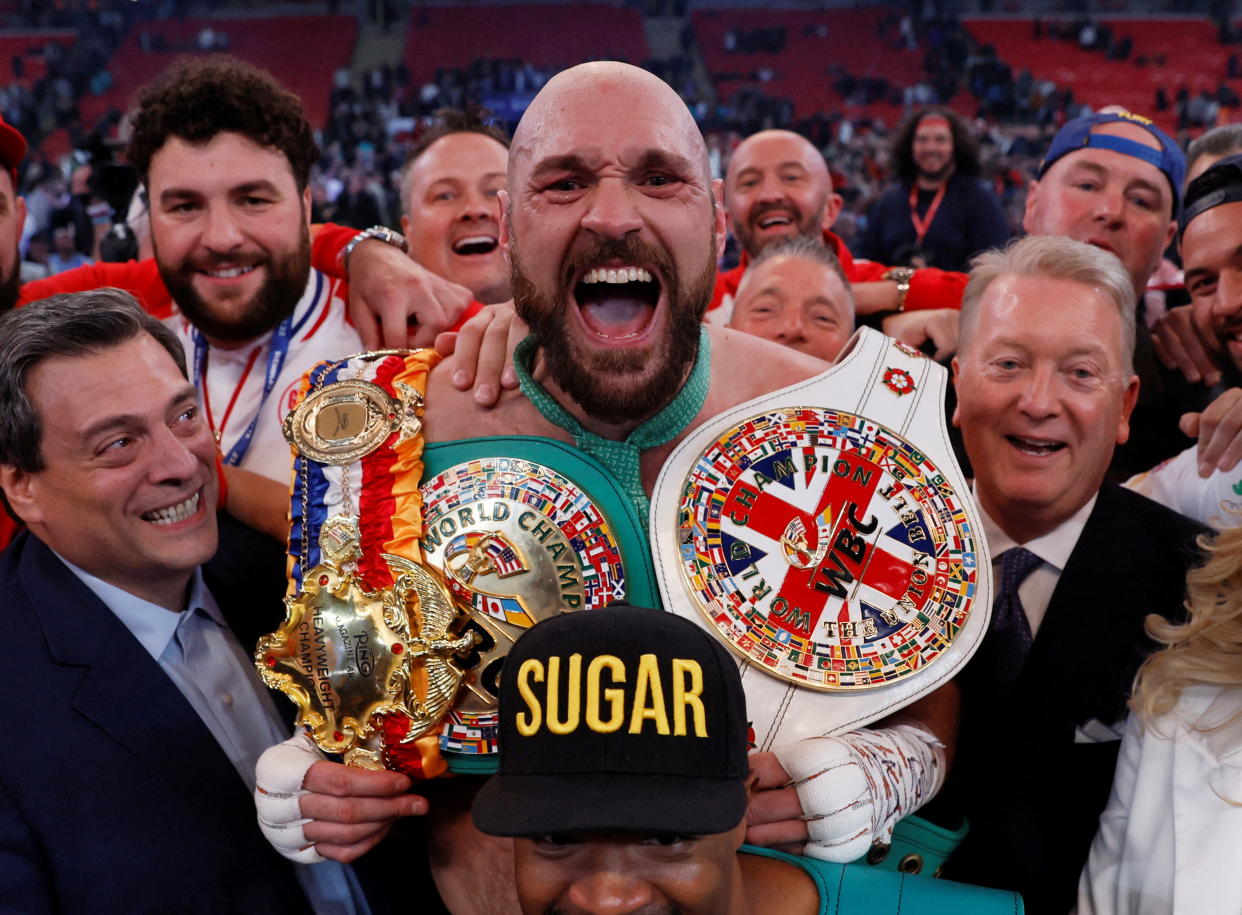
[778,187]
[590,93]
[613,234]
[779,145]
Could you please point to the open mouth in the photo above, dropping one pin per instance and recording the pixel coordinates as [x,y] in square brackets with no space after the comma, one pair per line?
[173,513]
[1036,447]
[618,302]
[773,220]
[229,272]
[475,245]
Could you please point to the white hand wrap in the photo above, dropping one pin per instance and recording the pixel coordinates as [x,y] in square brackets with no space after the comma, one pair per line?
[278,780]
[854,788]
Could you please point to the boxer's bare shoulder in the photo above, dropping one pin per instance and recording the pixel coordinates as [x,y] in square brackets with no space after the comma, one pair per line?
[452,414]
[746,366]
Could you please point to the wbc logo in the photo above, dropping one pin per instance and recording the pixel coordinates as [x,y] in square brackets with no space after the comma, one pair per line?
[826,549]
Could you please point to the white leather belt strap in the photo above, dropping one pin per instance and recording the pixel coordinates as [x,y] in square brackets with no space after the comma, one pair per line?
[826,534]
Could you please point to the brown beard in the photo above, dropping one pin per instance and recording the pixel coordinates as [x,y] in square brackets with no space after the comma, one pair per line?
[803,228]
[617,386]
[277,297]
[939,174]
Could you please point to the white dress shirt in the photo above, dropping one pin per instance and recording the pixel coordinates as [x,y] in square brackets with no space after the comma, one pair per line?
[1054,548]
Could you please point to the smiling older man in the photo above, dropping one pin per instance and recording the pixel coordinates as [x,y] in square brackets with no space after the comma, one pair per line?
[1046,392]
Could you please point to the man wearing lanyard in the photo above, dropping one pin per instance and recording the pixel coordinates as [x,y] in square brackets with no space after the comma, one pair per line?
[230,228]
[940,214]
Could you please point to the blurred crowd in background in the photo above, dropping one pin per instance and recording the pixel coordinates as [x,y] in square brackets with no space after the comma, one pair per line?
[375,116]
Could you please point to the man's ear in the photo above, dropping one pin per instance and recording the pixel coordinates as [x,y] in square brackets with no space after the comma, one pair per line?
[1168,239]
[832,209]
[720,223]
[1032,203]
[1128,399]
[957,406]
[307,201]
[21,490]
[502,197]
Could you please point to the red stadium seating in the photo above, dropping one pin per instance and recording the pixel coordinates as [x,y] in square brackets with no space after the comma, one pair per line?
[547,36]
[1194,58]
[300,51]
[29,47]
[801,70]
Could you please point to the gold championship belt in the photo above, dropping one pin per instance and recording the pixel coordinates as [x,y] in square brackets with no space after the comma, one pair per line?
[826,535]
[374,643]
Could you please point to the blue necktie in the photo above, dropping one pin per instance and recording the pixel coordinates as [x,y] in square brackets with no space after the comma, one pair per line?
[1008,640]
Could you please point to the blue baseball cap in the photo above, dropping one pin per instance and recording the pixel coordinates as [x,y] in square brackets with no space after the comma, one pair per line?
[1076,134]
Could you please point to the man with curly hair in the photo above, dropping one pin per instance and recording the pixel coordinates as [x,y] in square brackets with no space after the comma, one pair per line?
[224,153]
[939,213]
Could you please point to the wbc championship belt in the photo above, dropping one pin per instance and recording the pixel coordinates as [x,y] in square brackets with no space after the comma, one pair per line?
[413,569]
[825,534]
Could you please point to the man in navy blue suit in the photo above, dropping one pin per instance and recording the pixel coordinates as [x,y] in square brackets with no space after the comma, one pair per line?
[1046,388]
[134,716]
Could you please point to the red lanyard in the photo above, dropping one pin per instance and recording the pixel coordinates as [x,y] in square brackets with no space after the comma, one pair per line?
[922,225]
[228,410]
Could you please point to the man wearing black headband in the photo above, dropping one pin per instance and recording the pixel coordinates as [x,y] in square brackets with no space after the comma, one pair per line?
[1210,242]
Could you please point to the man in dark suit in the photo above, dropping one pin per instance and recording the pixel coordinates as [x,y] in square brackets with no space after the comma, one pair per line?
[135,718]
[1046,387]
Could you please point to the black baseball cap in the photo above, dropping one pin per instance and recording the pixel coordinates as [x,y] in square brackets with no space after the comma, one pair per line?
[1220,184]
[622,719]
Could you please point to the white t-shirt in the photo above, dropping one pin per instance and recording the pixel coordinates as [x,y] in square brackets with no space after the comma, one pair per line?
[1176,484]
[320,330]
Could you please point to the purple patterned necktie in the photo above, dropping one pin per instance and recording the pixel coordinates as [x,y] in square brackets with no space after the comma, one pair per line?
[1009,634]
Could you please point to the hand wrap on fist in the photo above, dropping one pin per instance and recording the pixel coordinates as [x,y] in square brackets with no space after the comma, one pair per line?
[855,787]
[278,786]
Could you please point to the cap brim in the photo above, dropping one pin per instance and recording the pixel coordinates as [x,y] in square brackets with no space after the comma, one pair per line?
[539,805]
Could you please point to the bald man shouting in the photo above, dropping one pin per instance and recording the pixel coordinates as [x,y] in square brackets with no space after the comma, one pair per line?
[613,224]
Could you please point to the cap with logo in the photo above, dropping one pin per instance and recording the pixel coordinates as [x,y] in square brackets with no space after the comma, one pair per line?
[12,149]
[1220,184]
[622,719]
[1076,134]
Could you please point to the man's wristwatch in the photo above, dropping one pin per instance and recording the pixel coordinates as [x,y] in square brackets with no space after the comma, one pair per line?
[899,275]
[380,233]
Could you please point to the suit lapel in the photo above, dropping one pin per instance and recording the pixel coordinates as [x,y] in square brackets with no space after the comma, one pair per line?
[123,691]
[1089,630]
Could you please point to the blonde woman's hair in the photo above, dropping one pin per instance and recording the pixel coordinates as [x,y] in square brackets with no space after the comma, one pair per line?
[1207,648]
[1053,257]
